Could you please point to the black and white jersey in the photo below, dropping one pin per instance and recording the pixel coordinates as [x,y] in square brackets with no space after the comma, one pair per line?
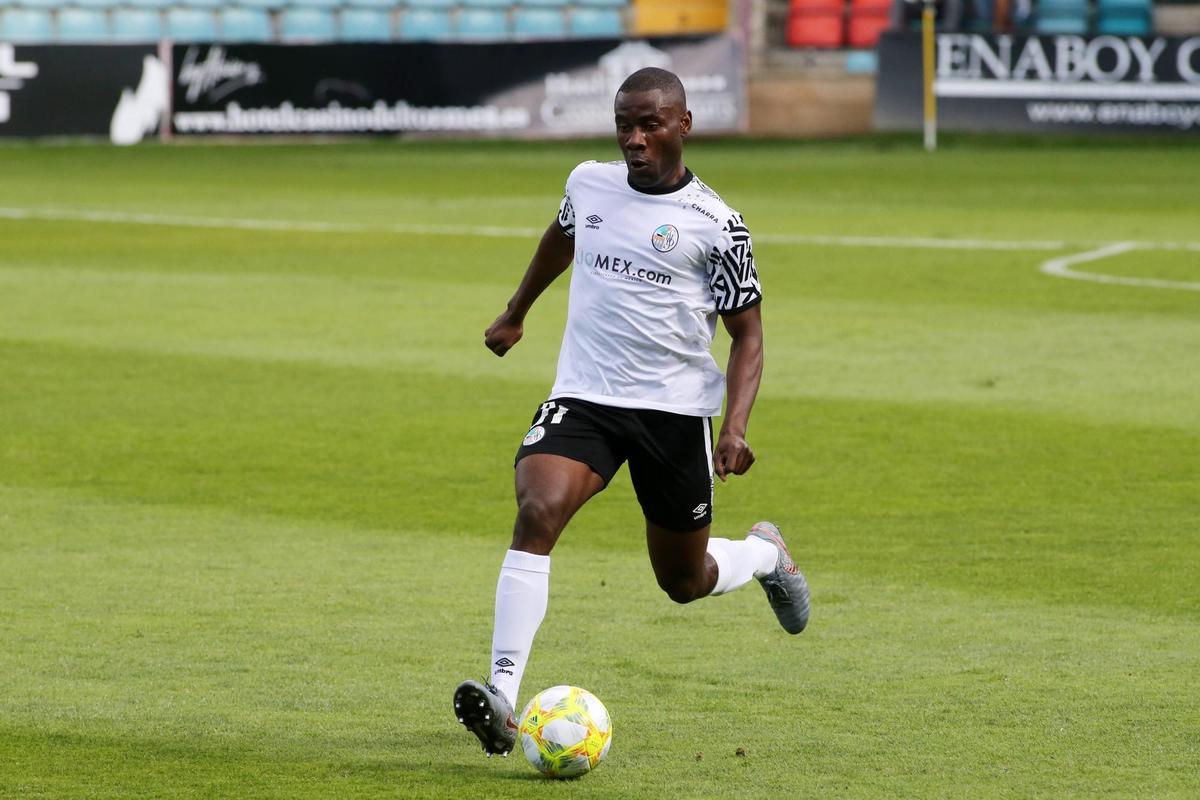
[652,272]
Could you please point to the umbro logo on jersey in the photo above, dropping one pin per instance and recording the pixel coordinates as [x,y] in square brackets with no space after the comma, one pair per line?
[664,238]
[594,222]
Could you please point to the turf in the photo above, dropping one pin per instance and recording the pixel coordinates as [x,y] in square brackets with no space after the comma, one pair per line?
[255,484]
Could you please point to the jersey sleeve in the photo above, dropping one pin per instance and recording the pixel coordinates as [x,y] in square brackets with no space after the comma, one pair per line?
[566,213]
[731,273]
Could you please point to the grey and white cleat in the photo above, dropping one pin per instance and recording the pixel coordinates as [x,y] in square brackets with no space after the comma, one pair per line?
[786,587]
[484,712]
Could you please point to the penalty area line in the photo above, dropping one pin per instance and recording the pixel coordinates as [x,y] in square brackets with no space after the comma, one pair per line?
[1061,268]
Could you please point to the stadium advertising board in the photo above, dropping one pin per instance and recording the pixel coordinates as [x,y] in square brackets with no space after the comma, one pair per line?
[117,91]
[510,89]
[1043,83]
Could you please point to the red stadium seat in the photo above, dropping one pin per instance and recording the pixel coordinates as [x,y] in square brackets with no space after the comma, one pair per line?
[816,23]
[868,19]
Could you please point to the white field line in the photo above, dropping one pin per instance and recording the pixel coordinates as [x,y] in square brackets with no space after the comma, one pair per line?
[1057,267]
[1061,268]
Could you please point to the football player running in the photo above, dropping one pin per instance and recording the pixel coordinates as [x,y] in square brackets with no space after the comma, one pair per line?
[658,257]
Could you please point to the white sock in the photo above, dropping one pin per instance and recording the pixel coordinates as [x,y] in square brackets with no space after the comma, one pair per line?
[521,595]
[739,561]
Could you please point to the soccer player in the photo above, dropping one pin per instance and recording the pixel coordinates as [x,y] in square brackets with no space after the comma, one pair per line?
[658,257]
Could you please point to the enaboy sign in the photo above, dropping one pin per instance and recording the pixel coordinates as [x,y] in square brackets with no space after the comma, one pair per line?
[1120,83]
[1109,67]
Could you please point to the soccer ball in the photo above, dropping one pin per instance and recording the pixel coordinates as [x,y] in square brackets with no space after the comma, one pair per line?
[565,731]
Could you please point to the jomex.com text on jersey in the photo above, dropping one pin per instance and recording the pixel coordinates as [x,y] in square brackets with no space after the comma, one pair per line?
[624,268]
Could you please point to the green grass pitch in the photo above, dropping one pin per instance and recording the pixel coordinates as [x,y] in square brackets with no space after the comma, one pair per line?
[255,478]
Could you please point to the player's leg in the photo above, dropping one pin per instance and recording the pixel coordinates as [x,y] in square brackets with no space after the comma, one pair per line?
[670,462]
[563,461]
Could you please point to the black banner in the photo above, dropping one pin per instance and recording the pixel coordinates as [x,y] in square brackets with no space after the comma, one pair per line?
[1043,83]
[117,91]
[555,88]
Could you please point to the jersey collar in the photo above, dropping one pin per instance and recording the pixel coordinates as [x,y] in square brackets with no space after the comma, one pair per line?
[684,181]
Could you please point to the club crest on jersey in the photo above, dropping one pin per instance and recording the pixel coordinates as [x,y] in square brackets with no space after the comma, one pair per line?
[664,238]
[535,434]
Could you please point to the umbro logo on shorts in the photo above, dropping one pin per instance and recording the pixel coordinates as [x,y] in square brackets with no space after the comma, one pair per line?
[699,510]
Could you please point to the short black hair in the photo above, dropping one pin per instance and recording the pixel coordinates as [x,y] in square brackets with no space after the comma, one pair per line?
[650,78]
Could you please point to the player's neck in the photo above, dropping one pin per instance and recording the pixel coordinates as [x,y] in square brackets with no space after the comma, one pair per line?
[666,186]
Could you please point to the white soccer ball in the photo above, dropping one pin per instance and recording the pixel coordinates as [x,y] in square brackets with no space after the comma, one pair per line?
[565,731]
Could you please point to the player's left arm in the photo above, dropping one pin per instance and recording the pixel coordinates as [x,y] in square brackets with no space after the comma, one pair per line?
[742,376]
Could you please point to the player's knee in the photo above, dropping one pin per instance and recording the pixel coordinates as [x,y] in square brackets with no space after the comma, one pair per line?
[682,589]
[538,522]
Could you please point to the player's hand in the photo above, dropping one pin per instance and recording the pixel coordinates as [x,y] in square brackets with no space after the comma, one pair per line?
[732,456]
[503,334]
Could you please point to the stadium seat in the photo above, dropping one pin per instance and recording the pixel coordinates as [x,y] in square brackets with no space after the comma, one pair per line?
[82,25]
[246,25]
[868,21]
[677,17]
[543,3]
[1125,17]
[315,3]
[596,23]
[199,3]
[91,3]
[307,24]
[421,24]
[191,24]
[365,25]
[160,4]
[543,22]
[602,3]
[1062,16]
[136,24]
[444,4]
[481,23]
[33,4]
[816,23]
[487,3]
[269,5]
[375,4]
[26,25]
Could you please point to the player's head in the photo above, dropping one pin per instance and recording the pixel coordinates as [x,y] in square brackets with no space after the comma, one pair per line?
[652,121]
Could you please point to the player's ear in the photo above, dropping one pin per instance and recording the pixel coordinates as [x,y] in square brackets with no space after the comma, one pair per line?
[685,123]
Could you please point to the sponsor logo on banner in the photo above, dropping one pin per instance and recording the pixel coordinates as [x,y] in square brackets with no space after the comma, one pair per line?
[13,75]
[216,76]
[140,111]
[1003,82]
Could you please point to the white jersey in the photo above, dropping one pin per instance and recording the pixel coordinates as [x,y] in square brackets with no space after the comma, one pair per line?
[652,271]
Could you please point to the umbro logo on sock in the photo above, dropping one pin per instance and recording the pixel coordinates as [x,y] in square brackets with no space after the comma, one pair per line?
[504,662]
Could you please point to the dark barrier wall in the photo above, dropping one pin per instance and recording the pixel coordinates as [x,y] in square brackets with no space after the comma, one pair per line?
[1043,83]
[505,89]
[50,90]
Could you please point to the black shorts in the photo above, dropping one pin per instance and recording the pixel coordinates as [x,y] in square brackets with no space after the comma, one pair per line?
[669,455]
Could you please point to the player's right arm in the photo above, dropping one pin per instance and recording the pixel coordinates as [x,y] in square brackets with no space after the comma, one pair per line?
[552,257]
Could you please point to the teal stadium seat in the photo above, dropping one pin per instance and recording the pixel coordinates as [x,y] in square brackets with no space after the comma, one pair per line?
[269,5]
[596,23]
[425,24]
[366,25]
[539,22]
[26,25]
[191,24]
[442,4]
[90,3]
[82,25]
[388,4]
[136,24]
[1125,17]
[200,3]
[543,3]
[1062,17]
[159,4]
[487,3]
[316,3]
[481,23]
[602,3]
[246,25]
[308,24]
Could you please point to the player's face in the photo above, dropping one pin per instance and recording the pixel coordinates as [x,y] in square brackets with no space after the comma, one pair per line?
[651,127]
